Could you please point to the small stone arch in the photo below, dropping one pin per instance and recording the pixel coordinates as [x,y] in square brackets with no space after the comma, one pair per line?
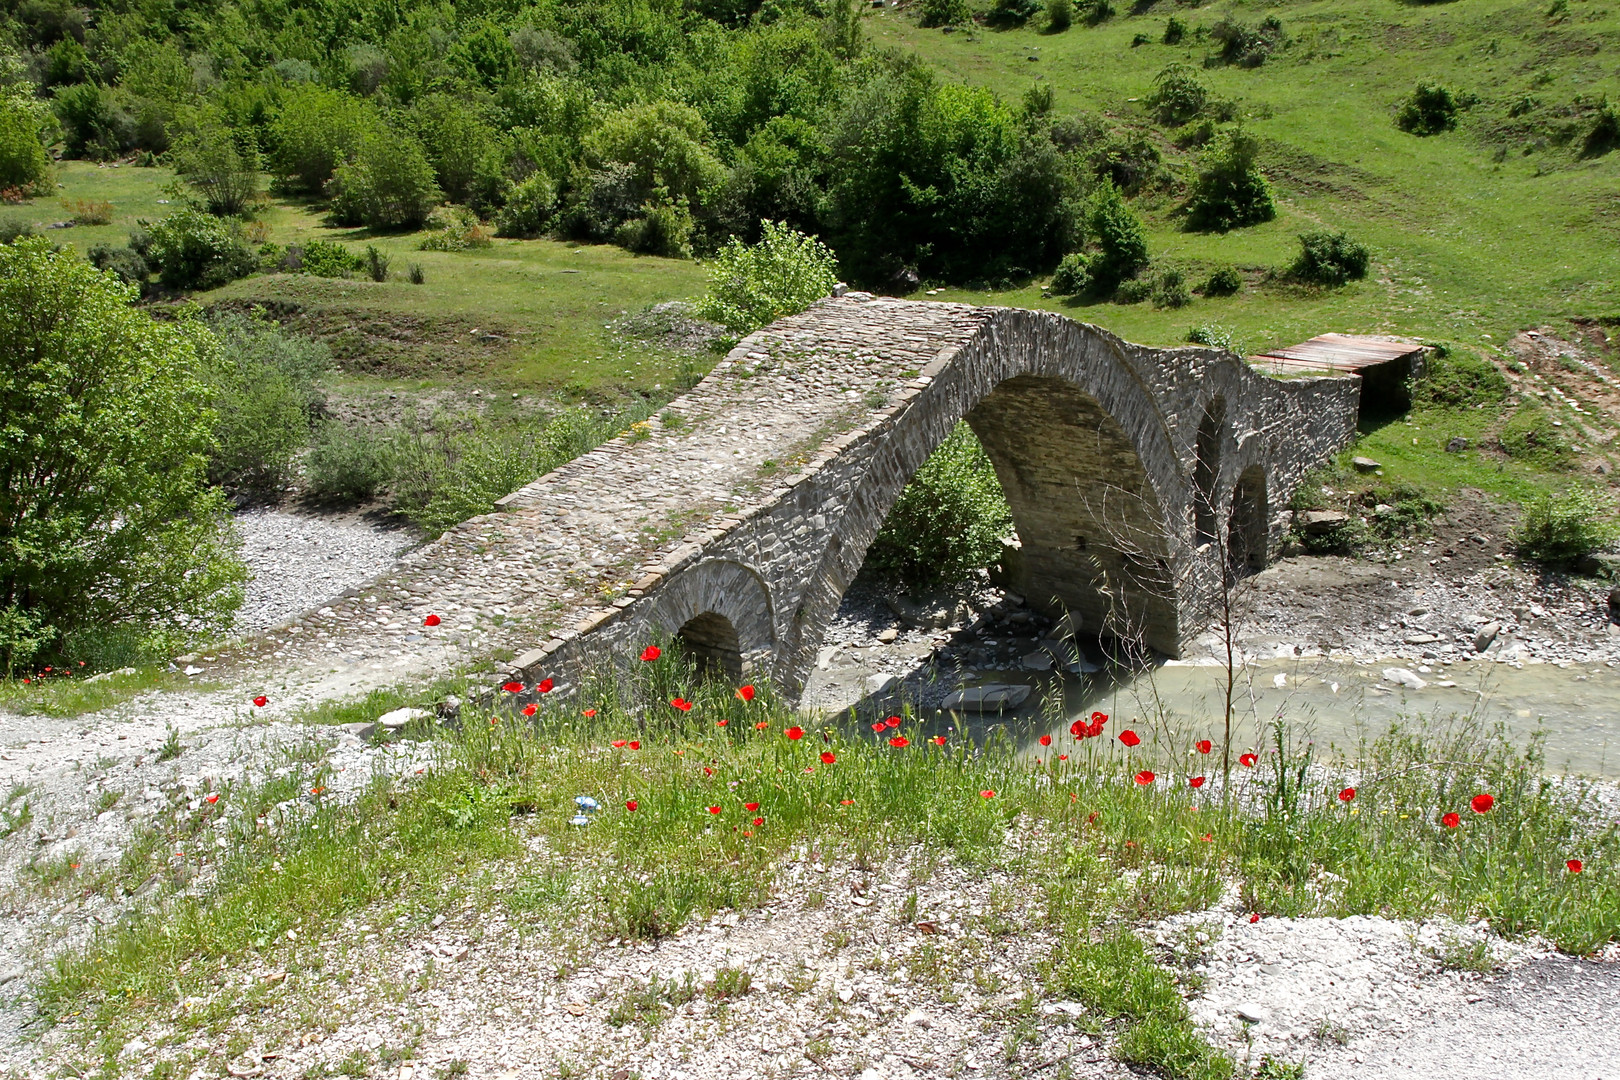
[709,638]
[1207,471]
[1248,529]
[720,612]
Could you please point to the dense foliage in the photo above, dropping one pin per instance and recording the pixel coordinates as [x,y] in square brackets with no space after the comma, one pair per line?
[106,518]
[752,285]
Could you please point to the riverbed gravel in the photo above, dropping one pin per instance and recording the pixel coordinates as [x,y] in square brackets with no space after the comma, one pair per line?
[298,561]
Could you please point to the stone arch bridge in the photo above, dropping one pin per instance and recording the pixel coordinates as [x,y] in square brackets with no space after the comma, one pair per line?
[737,518]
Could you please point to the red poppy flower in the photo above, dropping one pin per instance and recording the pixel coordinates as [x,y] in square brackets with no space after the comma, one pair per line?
[432,620]
[880,726]
[1099,718]
[899,741]
[1451,820]
[1046,740]
[530,709]
[1255,917]
[1195,781]
[746,693]
[938,740]
[750,806]
[758,822]
[1078,729]
[651,652]
[794,733]
[1574,866]
[1247,760]
[707,771]
[827,757]
[513,687]
[316,790]
[544,686]
[681,704]
[1063,757]
[846,802]
[762,725]
[1481,804]
[630,806]
[211,797]
[987,794]
[261,701]
[1145,777]
[893,721]
[714,809]
[588,713]
[1130,738]
[721,723]
[1205,746]
[619,744]
[1207,838]
[1347,794]
[635,745]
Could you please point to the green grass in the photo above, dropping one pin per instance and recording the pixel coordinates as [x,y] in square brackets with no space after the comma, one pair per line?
[1103,853]
[68,695]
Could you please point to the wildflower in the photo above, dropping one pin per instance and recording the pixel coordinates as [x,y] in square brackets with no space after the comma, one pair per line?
[893,721]
[714,809]
[721,723]
[1481,804]
[587,713]
[762,725]
[1247,760]
[635,744]
[1574,866]
[1195,781]
[846,802]
[707,771]
[1255,917]
[827,757]
[1130,738]
[750,806]
[794,733]
[880,726]
[746,693]
[1205,746]
[432,620]
[620,744]
[1347,794]
[513,687]
[651,652]
[630,805]
[681,704]
[1063,757]
[1451,820]
[211,798]
[544,686]
[261,701]
[938,740]
[317,789]
[1046,740]
[1145,777]
[1207,838]
[987,794]
[530,709]
[899,742]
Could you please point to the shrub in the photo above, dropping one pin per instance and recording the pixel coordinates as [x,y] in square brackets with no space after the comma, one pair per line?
[24,164]
[1230,191]
[93,124]
[130,267]
[945,13]
[190,249]
[137,539]
[1178,95]
[1011,12]
[1460,381]
[665,145]
[1174,31]
[1171,291]
[315,131]
[415,275]
[752,285]
[222,173]
[529,208]
[1126,161]
[1329,258]
[457,142]
[601,200]
[1215,336]
[263,389]
[1430,110]
[458,229]
[349,465]
[376,263]
[1133,290]
[1073,274]
[388,185]
[1604,134]
[663,229]
[949,520]
[1562,527]
[89,211]
[1223,282]
[1245,46]
[1059,15]
[1118,235]
[323,258]
[1100,11]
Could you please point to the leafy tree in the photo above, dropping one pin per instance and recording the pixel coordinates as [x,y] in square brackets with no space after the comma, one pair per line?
[23,161]
[221,172]
[388,185]
[458,144]
[1430,110]
[93,123]
[665,144]
[753,285]
[263,389]
[1121,242]
[106,518]
[315,131]
[1230,191]
[529,208]
[190,249]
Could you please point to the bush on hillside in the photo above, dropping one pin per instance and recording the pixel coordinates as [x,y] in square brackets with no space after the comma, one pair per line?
[1430,110]
[263,387]
[94,122]
[222,173]
[1230,192]
[387,185]
[138,539]
[1531,435]
[349,465]
[664,228]
[529,208]
[24,164]
[125,262]
[315,131]
[1329,258]
[462,148]
[1604,134]
[1073,275]
[1559,528]
[1247,46]
[949,521]
[1059,15]
[1223,282]
[455,228]
[752,285]
[945,13]
[191,249]
[1117,233]
[1174,31]
[1178,95]
[1011,12]
[1171,291]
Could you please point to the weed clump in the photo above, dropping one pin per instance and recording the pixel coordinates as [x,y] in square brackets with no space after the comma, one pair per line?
[1223,282]
[1247,46]
[1561,527]
[1329,258]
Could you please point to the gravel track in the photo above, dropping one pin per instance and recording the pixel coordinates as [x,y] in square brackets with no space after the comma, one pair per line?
[300,561]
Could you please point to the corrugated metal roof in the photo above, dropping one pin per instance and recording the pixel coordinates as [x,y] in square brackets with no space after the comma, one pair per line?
[1335,352]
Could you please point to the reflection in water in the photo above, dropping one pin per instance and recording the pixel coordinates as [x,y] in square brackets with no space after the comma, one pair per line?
[1334,703]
